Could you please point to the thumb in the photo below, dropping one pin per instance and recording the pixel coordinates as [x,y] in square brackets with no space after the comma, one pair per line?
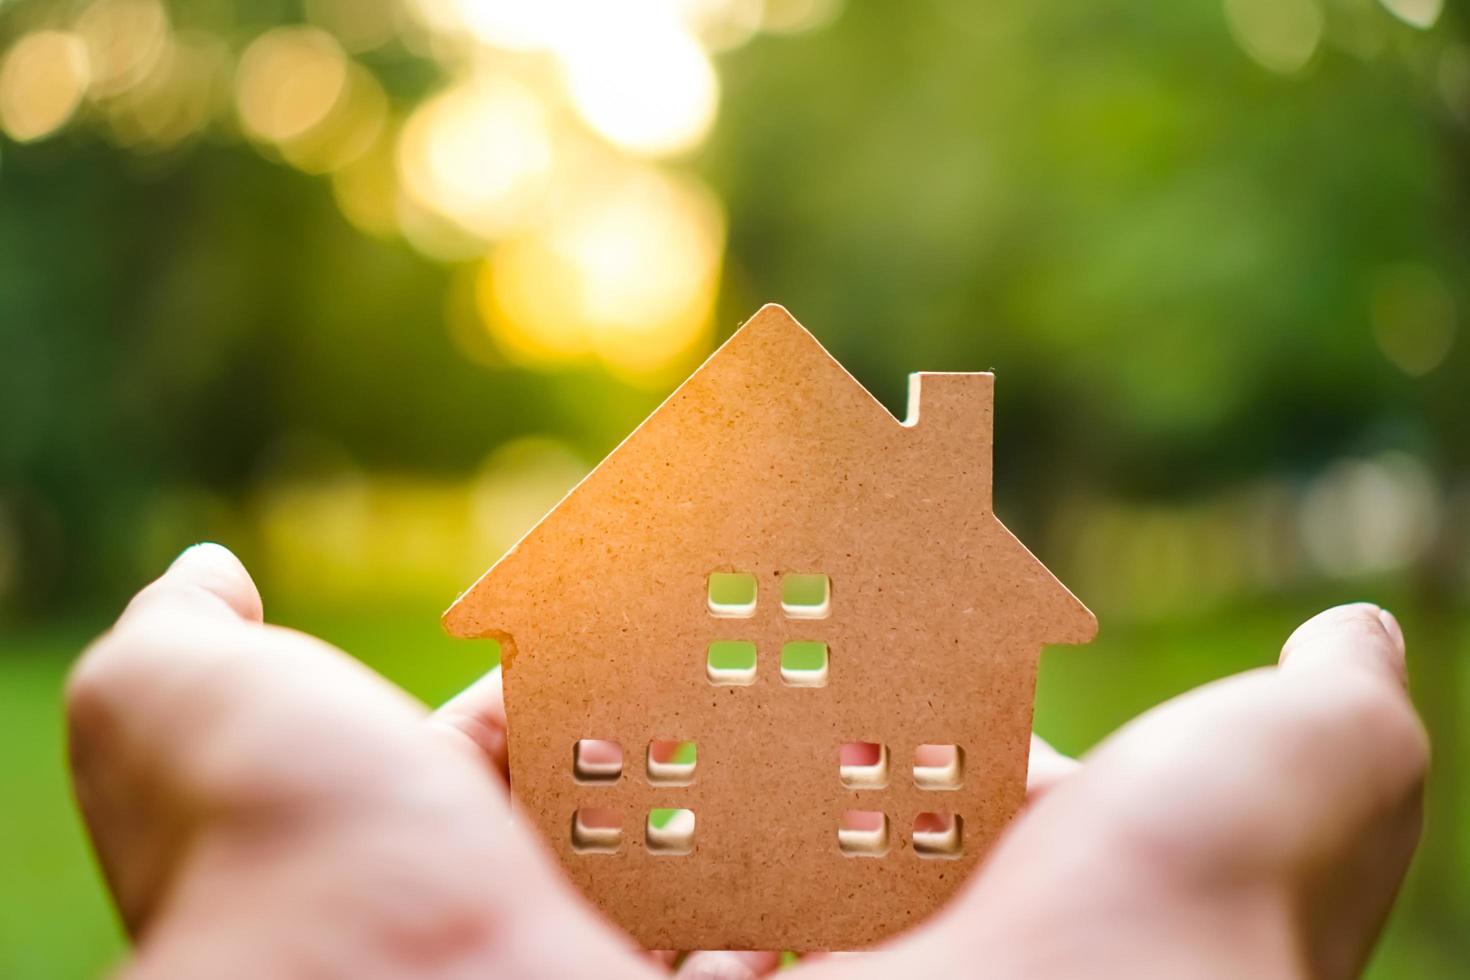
[1358,636]
[205,578]
[189,709]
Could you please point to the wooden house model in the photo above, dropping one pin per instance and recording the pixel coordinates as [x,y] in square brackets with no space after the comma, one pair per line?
[769,669]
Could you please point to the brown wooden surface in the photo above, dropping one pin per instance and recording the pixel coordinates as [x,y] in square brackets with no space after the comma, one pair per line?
[771,459]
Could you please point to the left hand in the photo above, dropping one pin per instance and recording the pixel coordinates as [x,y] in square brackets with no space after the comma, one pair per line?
[263,805]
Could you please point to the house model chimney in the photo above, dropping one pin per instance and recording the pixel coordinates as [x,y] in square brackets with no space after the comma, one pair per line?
[956,411]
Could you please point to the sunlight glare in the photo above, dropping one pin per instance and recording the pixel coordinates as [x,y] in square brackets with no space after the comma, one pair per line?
[515,25]
[642,83]
[478,155]
[627,275]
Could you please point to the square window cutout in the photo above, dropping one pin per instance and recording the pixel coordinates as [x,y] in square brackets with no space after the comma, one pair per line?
[596,760]
[671,763]
[938,835]
[731,662]
[596,830]
[670,831]
[732,594]
[863,765]
[862,833]
[939,766]
[806,596]
[804,664]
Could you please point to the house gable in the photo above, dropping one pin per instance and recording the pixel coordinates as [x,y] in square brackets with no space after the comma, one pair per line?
[767,408]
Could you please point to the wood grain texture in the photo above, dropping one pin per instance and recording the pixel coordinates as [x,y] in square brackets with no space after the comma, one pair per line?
[771,459]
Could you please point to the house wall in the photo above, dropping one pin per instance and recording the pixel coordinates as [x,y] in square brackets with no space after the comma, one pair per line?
[910,662]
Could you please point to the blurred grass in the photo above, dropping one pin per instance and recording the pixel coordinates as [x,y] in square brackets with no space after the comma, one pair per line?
[55,920]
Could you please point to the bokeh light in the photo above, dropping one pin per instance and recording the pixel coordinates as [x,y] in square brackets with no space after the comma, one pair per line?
[125,40]
[288,81]
[643,83]
[176,99]
[366,189]
[798,16]
[42,80]
[533,156]
[478,154]
[1366,516]
[1413,315]
[518,484]
[360,25]
[1281,35]
[513,25]
[1417,13]
[349,130]
[723,25]
[626,273]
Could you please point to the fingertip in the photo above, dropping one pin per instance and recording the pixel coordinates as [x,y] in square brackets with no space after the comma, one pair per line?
[215,569]
[1359,633]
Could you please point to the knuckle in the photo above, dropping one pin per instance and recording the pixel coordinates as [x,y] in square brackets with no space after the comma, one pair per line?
[91,685]
[1383,719]
[104,677]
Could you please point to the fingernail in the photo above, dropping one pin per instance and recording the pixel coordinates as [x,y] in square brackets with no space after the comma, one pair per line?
[193,553]
[1391,625]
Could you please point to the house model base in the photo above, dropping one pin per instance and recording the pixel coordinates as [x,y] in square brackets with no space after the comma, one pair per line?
[769,669]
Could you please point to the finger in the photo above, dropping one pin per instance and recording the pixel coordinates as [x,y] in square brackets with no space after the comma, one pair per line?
[1357,636]
[1047,768]
[190,707]
[207,578]
[477,715]
[231,770]
[728,965]
[1284,763]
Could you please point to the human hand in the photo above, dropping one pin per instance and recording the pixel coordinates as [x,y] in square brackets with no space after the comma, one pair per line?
[263,805]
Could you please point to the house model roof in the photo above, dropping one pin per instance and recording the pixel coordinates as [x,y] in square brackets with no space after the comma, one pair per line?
[771,408]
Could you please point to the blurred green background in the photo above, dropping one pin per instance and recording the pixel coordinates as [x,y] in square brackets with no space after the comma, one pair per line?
[359,287]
